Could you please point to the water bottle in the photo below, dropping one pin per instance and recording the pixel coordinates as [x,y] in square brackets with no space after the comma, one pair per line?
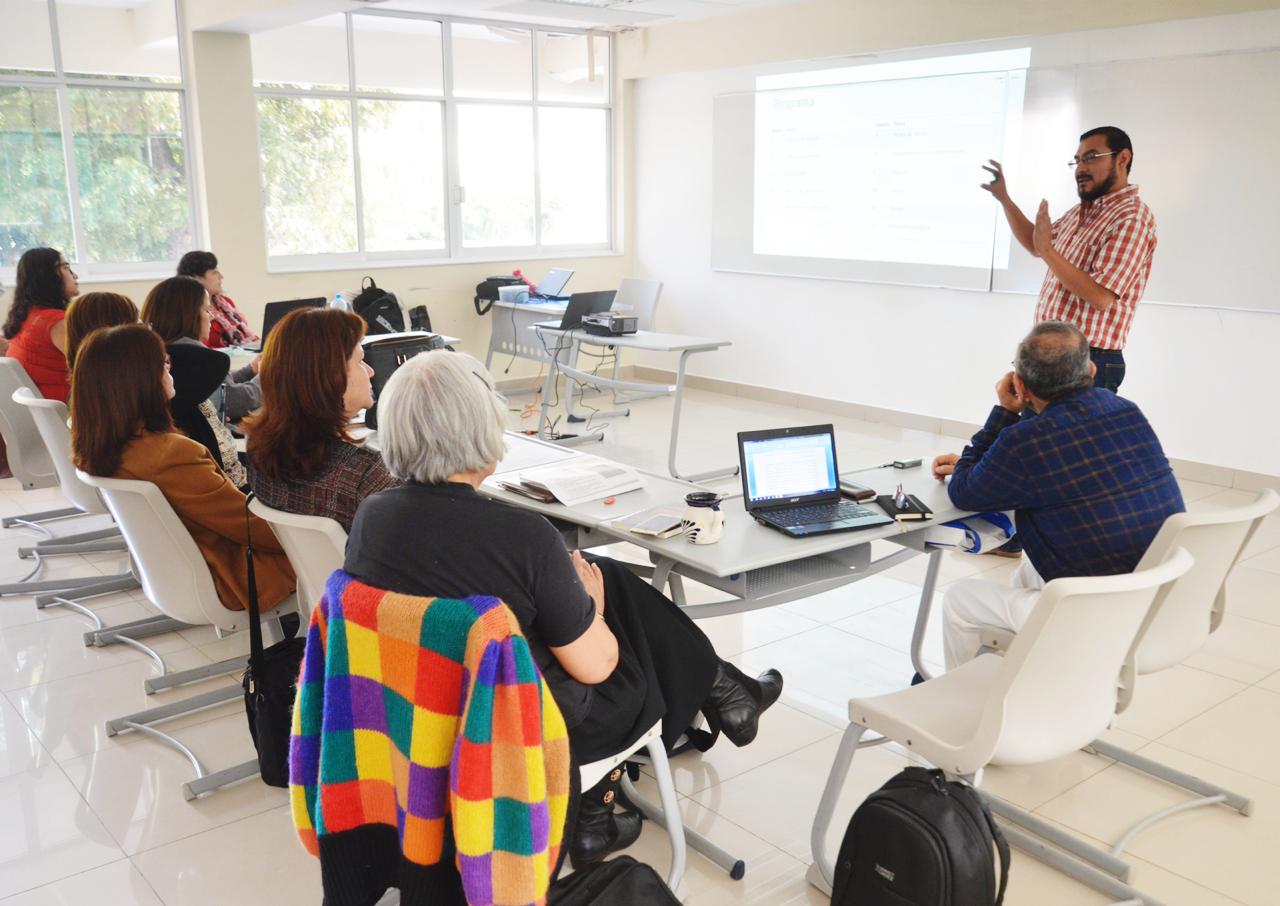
[340,302]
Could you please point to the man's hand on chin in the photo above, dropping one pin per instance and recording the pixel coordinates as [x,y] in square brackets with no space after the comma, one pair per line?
[1007,394]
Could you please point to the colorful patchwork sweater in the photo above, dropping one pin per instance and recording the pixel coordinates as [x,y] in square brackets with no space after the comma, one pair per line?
[426,747]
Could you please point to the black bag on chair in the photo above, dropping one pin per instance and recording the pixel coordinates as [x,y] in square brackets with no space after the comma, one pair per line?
[621,881]
[384,356]
[270,686]
[921,840]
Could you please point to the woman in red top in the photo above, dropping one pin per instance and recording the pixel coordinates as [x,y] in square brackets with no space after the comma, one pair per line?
[34,326]
[228,327]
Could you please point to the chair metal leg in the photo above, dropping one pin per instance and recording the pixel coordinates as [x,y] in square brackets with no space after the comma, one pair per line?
[822,873]
[736,868]
[204,782]
[33,520]
[203,785]
[1074,868]
[86,546]
[1076,847]
[135,629]
[670,806]
[1208,793]
[171,680]
[57,542]
[43,585]
[104,585]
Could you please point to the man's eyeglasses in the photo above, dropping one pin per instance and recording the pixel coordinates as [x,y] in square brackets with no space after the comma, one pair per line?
[1089,158]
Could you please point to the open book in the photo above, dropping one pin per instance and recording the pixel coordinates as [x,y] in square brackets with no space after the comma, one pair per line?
[583,479]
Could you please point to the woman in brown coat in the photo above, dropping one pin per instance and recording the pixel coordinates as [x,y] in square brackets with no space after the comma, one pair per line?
[121,428]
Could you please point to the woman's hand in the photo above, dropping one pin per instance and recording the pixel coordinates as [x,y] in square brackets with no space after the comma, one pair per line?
[592,579]
[256,363]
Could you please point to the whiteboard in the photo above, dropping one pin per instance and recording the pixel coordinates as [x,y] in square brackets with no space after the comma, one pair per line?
[1203,111]
[1206,135]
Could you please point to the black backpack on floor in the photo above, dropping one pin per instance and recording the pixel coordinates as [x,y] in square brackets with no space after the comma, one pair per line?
[621,881]
[921,840]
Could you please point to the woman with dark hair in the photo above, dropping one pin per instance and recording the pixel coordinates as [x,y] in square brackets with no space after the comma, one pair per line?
[302,458]
[121,428]
[178,310]
[228,326]
[91,312]
[34,325]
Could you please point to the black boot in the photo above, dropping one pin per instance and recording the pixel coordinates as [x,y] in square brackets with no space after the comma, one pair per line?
[600,830]
[737,701]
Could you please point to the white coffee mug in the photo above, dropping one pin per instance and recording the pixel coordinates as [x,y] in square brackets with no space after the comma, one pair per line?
[703,521]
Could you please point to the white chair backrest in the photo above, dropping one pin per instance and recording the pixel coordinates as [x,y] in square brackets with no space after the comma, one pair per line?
[641,296]
[1194,605]
[50,417]
[315,546]
[1059,680]
[174,576]
[28,458]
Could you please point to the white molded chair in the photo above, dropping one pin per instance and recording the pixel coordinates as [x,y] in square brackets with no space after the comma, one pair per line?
[176,580]
[315,545]
[50,419]
[1055,691]
[28,459]
[1192,610]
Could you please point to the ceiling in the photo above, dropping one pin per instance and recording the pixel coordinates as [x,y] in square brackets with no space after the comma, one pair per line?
[578,13]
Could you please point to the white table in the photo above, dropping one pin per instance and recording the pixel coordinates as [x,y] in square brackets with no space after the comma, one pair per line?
[556,346]
[754,565]
[510,328]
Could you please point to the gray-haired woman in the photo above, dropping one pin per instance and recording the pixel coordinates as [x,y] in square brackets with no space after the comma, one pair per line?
[616,654]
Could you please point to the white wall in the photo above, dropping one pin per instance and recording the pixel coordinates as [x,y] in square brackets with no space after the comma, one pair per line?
[1199,375]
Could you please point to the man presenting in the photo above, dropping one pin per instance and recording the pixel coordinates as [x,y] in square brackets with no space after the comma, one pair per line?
[1099,253]
[1086,477]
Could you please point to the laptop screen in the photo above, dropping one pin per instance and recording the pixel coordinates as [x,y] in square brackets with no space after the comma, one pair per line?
[554,282]
[790,467]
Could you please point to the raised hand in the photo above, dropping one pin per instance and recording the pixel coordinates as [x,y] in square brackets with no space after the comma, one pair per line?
[1042,235]
[997,186]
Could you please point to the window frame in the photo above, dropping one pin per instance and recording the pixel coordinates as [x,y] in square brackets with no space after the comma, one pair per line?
[454,251]
[89,270]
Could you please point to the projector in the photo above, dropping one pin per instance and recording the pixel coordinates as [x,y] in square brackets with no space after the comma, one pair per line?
[608,324]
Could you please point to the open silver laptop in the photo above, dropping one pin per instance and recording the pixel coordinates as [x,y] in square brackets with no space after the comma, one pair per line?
[791,482]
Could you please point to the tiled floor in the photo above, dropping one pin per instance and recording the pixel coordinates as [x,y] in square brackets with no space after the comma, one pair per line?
[87,818]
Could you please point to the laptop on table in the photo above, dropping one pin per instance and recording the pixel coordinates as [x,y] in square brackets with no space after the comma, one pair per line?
[791,483]
[274,314]
[552,285]
[586,304]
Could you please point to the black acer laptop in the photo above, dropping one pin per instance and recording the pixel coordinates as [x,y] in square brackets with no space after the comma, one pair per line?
[274,314]
[790,482]
[586,304]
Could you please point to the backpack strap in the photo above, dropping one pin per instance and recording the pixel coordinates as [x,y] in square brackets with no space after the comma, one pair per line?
[367,283]
[1002,847]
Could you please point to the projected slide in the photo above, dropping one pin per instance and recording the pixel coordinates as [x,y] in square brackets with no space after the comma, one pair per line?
[883,170]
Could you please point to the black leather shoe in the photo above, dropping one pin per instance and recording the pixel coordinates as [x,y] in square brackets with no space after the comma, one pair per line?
[737,701]
[600,829]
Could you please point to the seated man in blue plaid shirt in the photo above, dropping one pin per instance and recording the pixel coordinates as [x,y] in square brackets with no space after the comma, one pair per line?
[1084,473]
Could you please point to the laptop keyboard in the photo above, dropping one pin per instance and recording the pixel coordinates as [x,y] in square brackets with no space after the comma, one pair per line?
[840,511]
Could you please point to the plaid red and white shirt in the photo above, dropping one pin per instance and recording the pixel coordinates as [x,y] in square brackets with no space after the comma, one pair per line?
[1112,239]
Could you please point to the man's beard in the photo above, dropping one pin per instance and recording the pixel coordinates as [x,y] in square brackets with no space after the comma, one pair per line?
[1099,188]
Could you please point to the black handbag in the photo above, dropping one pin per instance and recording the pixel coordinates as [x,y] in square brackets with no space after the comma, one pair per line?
[270,685]
[384,356]
[487,291]
[922,840]
[621,881]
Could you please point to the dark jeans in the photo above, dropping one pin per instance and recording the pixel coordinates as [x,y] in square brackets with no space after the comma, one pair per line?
[1110,365]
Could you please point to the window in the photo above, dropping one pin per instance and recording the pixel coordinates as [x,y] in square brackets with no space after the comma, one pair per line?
[93,152]
[390,136]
